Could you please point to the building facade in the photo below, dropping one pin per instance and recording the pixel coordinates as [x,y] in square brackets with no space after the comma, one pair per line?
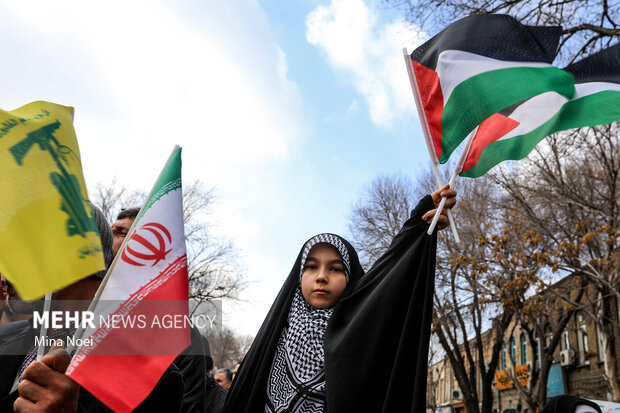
[577,362]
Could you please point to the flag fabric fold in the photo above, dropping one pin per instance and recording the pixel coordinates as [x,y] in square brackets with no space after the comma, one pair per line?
[46,221]
[148,278]
[480,65]
[513,133]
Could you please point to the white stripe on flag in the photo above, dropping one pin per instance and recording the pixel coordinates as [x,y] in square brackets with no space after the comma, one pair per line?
[456,66]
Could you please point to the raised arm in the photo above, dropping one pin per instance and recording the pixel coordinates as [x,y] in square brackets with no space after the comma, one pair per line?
[444,192]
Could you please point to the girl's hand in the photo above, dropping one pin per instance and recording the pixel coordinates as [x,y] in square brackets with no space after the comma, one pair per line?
[444,192]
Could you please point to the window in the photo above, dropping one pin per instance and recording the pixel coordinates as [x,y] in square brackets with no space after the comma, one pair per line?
[513,350]
[582,339]
[564,343]
[523,349]
[538,351]
[548,335]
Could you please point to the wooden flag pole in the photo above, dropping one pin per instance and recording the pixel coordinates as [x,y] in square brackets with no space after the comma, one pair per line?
[457,170]
[427,135]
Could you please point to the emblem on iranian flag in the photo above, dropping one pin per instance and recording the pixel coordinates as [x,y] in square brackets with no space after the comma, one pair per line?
[147,244]
[148,283]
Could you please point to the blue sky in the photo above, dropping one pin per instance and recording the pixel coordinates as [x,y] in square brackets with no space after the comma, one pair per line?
[287,108]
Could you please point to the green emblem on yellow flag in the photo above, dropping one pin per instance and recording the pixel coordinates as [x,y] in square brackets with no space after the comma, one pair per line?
[48,237]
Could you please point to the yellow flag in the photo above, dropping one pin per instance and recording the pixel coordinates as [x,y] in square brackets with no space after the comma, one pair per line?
[48,236]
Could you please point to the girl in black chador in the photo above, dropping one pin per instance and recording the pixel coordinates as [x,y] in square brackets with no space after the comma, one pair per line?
[336,340]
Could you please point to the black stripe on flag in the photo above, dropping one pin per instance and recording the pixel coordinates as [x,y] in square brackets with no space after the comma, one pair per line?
[603,66]
[496,36]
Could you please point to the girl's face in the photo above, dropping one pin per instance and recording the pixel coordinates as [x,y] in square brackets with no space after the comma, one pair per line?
[323,279]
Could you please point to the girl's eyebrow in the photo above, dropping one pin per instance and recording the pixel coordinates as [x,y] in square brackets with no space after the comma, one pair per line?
[336,261]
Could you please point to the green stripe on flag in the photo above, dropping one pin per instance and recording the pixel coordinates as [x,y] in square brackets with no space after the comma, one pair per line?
[169,180]
[480,96]
[591,110]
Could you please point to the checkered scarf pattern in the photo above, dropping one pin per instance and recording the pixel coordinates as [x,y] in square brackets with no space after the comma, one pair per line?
[297,380]
[332,240]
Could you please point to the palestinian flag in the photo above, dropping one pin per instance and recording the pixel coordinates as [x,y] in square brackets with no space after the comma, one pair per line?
[130,345]
[514,132]
[478,66]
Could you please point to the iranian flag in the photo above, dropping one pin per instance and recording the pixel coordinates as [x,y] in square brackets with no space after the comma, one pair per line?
[478,66]
[515,131]
[131,344]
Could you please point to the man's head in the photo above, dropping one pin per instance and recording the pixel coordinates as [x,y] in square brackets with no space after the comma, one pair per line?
[223,377]
[121,227]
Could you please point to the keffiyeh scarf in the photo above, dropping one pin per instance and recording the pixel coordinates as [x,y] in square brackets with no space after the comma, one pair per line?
[297,380]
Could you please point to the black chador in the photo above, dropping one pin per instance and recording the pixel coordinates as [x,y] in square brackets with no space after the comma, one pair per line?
[368,353]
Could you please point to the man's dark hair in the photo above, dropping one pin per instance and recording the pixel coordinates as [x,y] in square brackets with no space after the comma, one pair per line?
[128,213]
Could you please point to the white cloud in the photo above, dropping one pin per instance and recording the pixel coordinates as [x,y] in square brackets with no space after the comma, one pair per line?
[353,40]
[354,107]
[232,224]
[144,75]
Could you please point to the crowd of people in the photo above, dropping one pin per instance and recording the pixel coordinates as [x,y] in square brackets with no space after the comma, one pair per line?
[189,385]
[311,354]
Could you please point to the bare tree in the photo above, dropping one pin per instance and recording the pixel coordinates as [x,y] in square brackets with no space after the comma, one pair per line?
[568,192]
[488,283]
[589,25]
[112,197]
[228,348]
[473,292]
[214,268]
[468,293]
[379,213]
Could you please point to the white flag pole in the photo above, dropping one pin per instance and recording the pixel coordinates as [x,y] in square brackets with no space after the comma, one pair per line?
[457,170]
[46,308]
[427,134]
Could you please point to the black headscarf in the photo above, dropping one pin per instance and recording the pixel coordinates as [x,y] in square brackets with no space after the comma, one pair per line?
[297,379]
[248,392]
[376,342]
